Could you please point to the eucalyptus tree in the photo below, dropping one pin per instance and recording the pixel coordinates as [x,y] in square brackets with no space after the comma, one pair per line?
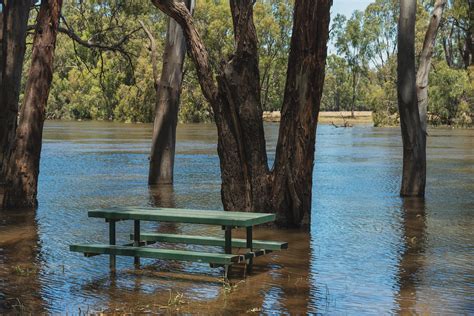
[22,150]
[168,89]
[235,97]
[457,33]
[413,136]
[24,155]
[412,94]
[380,21]
[15,15]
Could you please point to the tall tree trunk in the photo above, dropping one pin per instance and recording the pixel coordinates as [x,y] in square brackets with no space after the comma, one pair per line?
[413,135]
[167,106]
[1,45]
[470,34]
[23,163]
[353,93]
[15,22]
[425,62]
[247,182]
[293,169]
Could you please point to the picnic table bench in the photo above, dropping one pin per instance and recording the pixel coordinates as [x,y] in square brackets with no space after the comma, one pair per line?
[137,249]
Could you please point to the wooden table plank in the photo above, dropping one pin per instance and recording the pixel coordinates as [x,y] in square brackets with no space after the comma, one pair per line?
[211,241]
[168,254]
[239,219]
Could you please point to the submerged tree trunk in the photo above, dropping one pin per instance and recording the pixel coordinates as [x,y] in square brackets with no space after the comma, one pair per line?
[247,182]
[23,162]
[413,135]
[293,170]
[425,62]
[168,91]
[1,45]
[15,22]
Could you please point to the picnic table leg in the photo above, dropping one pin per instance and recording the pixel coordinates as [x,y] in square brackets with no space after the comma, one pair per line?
[136,240]
[227,247]
[249,246]
[228,240]
[112,242]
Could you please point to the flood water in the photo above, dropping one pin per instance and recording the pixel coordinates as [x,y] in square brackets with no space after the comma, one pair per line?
[368,251]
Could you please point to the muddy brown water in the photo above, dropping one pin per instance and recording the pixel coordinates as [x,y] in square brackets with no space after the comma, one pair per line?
[368,251]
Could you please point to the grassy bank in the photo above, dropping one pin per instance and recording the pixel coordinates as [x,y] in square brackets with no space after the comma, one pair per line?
[337,118]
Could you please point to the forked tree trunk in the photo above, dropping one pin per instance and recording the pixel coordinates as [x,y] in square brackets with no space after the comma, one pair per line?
[168,90]
[425,62]
[247,182]
[23,162]
[413,135]
[15,22]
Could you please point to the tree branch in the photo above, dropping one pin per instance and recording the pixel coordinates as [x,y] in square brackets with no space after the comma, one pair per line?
[117,47]
[154,57]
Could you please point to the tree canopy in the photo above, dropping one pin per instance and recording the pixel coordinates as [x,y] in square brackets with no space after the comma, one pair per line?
[107,74]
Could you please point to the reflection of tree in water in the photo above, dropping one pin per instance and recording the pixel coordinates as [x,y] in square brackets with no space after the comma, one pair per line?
[19,263]
[162,195]
[411,262]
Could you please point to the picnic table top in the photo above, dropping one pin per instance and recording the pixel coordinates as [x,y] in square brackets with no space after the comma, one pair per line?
[238,219]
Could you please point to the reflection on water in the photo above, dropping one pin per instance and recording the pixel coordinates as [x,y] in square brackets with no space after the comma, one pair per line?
[368,251]
[412,254]
[19,262]
[162,196]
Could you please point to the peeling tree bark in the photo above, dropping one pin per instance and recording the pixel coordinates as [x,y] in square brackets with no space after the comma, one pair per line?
[247,182]
[1,45]
[15,22]
[413,134]
[168,90]
[23,163]
[425,62]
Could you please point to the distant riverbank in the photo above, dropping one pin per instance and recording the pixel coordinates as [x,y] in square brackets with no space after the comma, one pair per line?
[338,118]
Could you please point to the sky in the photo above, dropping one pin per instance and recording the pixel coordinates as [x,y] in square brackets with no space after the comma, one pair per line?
[346,7]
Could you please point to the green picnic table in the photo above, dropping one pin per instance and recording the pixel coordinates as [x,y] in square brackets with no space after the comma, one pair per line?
[137,249]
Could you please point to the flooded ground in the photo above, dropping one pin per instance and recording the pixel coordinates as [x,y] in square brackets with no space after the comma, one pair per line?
[368,250]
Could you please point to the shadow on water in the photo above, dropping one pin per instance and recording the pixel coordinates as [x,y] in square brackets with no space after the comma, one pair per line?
[412,255]
[19,269]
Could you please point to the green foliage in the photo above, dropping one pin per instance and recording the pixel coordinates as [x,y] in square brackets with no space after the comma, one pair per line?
[136,102]
[367,43]
[106,84]
[93,83]
[99,84]
[448,96]
[337,85]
